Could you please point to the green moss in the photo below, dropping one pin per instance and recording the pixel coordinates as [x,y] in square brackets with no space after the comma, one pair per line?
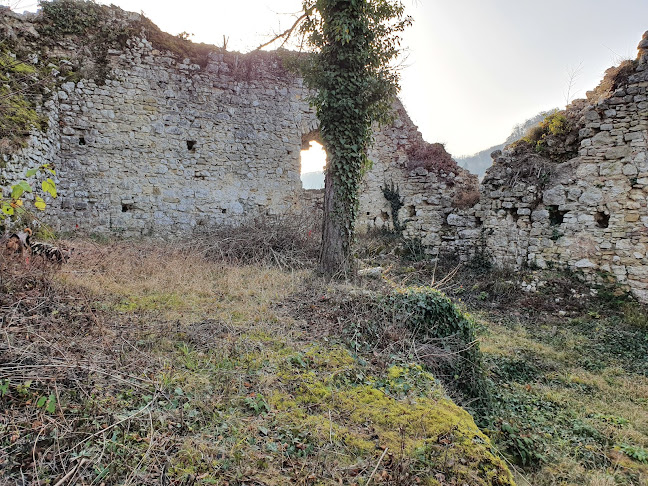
[406,410]
[18,115]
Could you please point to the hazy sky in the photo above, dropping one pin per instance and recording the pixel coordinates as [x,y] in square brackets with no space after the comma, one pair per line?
[474,68]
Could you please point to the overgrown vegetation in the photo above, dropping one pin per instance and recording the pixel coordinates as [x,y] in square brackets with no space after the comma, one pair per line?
[355,84]
[243,373]
[20,90]
[289,242]
[555,137]
[431,157]
[123,370]
[567,366]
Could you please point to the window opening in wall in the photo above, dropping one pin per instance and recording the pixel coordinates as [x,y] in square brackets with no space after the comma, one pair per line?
[313,160]
[602,219]
[556,216]
[127,207]
[191,145]
[82,141]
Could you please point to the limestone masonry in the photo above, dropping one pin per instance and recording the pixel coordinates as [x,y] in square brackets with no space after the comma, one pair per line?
[161,146]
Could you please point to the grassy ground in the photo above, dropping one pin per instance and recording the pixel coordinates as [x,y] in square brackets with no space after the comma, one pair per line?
[568,365]
[137,364]
[143,364]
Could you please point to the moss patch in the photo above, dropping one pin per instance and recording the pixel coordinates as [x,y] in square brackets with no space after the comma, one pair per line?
[19,91]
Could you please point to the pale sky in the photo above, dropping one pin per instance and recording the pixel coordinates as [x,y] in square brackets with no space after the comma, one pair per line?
[474,68]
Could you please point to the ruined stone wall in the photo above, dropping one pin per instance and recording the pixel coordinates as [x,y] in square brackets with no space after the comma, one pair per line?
[588,213]
[160,146]
[428,193]
[163,145]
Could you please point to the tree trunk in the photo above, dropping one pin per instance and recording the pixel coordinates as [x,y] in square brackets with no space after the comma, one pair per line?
[335,255]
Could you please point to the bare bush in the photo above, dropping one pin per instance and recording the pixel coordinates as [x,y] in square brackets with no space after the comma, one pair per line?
[466,198]
[290,241]
[430,156]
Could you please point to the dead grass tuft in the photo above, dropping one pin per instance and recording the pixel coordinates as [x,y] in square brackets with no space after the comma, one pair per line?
[466,198]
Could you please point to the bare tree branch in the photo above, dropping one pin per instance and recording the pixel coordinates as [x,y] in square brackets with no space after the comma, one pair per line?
[286,35]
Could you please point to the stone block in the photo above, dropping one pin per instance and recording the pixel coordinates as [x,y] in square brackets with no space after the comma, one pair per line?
[591,196]
[554,196]
[617,152]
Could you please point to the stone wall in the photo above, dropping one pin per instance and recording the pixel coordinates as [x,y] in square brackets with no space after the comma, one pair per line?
[539,208]
[588,213]
[163,145]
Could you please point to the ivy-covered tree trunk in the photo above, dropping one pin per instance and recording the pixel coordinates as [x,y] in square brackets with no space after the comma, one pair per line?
[335,254]
[355,86]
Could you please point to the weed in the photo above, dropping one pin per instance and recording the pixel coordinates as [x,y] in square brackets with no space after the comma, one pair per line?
[392,195]
[257,403]
[635,452]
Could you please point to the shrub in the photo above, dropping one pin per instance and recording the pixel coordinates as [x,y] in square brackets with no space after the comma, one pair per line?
[430,156]
[554,124]
[290,241]
[446,333]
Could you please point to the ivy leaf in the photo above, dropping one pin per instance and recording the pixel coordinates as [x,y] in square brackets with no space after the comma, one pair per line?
[49,186]
[7,209]
[31,172]
[51,404]
[40,203]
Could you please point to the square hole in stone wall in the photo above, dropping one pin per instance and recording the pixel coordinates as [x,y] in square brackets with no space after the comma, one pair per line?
[191,145]
[602,219]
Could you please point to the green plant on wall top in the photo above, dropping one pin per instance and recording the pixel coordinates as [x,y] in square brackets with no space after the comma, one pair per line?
[554,124]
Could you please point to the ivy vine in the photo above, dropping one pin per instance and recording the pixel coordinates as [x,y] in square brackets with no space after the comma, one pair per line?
[354,82]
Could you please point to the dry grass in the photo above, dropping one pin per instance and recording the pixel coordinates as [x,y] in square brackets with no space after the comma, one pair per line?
[430,156]
[287,242]
[176,283]
[466,198]
[142,363]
